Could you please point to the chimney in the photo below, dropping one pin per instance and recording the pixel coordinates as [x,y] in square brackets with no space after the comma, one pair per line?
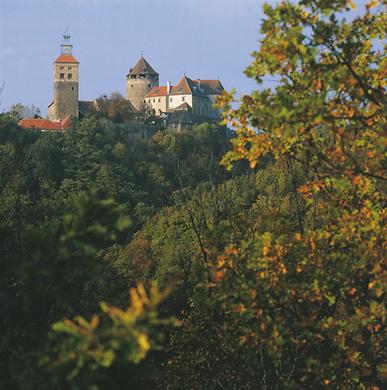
[168,87]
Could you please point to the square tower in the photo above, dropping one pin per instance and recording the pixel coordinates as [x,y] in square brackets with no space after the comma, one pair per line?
[66,84]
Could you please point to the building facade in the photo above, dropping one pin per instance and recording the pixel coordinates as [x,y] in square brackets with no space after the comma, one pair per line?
[197,96]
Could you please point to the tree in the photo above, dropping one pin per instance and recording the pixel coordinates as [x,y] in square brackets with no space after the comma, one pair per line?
[311,299]
[21,111]
[49,272]
[58,257]
[115,107]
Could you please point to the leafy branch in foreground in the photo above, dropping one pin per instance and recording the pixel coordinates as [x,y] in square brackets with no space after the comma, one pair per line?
[81,349]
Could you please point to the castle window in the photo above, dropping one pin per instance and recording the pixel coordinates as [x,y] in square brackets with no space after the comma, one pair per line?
[170,100]
[154,100]
[69,67]
[149,100]
[61,76]
[132,85]
[72,88]
[159,100]
[183,99]
[62,67]
[70,76]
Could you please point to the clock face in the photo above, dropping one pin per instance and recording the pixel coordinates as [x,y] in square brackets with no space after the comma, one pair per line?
[66,49]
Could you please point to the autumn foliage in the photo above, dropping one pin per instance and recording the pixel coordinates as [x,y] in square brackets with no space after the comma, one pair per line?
[312,299]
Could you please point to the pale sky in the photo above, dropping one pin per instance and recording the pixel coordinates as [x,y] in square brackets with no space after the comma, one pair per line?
[202,38]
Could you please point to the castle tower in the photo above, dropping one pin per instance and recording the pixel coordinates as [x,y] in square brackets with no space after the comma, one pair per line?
[140,80]
[66,83]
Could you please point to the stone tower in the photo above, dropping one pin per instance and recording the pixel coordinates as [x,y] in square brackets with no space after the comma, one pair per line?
[139,81]
[66,83]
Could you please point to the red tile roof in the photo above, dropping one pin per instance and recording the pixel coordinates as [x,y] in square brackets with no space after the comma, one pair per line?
[184,87]
[157,91]
[66,59]
[45,124]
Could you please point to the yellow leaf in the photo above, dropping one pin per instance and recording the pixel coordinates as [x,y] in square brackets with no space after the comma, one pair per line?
[266,250]
[137,304]
[142,293]
[351,81]
[94,321]
[351,4]
[143,342]
[372,4]
[240,308]
[219,275]
[253,163]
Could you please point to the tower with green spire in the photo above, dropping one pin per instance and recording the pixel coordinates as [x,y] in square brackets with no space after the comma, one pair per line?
[66,83]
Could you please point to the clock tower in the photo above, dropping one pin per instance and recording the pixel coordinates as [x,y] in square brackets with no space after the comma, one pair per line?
[66,46]
[66,83]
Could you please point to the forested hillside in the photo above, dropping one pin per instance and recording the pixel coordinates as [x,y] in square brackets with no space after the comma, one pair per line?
[196,260]
[91,187]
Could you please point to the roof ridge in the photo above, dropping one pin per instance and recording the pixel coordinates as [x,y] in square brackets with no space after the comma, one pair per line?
[69,57]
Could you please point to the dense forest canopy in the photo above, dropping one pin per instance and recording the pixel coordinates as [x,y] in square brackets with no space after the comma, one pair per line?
[132,263]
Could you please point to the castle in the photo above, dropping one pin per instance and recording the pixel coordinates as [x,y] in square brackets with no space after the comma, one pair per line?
[190,101]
